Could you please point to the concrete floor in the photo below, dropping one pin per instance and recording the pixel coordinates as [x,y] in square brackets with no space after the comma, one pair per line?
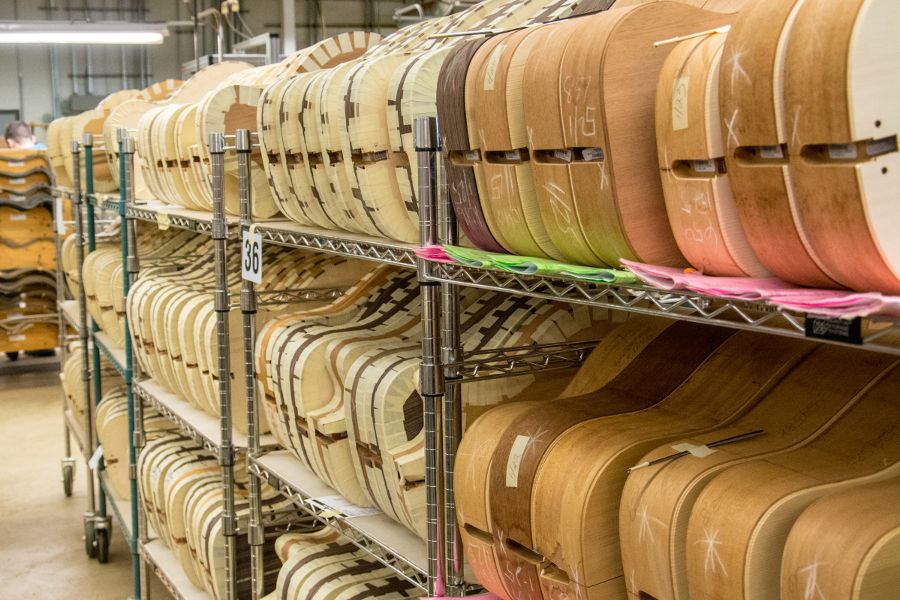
[41,549]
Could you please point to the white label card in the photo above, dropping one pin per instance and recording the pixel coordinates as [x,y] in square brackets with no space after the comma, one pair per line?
[515,460]
[342,505]
[17,337]
[695,450]
[251,257]
[680,104]
[705,166]
[18,217]
[95,458]
[162,220]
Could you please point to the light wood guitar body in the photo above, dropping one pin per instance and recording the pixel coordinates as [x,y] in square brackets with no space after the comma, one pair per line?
[695,183]
[658,500]
[862,562]
[737,553]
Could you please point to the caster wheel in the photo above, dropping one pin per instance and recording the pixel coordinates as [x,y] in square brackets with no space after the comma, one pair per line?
[90,539]
[12,356]
[68,477]
[102,539]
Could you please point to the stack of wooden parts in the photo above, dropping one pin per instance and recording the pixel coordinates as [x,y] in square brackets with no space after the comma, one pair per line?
[28,319]
[602,138]
[181,492]
[173,320]
[111,419]
[27,253]
[341,389]
[73,384]
[25,178]
[103,272]
[550,506]
[338,143]
[324,564]
[101,123]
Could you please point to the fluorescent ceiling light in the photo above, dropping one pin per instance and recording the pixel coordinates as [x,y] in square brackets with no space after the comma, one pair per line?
[81,32]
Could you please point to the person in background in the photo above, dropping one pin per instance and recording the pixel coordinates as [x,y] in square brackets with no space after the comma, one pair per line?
[19,136]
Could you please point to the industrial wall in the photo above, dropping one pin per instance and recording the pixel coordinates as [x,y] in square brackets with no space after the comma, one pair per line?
[27,81]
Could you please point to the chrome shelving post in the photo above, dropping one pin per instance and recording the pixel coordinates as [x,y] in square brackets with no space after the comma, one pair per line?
[135,415]
[101,519]
[223,305]
[432,380]
[90,541]
[68,462]
[256,531]
[451,355]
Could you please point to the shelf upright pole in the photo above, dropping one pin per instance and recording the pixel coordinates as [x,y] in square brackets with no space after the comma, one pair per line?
[432,384]
[223,306]
[126,186]
[255,534]
[68,461]
[87,146]
[77,199]
[451,352]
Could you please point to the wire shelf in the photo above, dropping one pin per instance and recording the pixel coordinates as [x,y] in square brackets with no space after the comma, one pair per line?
[293,235]
[879,335]
[198,425]
[113,354]
[169,571]
[388,542]
[120,509]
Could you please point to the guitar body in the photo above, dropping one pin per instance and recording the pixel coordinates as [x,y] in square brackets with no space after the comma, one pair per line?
[658,500]
[698,195]
[843,150]
[863,560]
[858,448]
[756,126]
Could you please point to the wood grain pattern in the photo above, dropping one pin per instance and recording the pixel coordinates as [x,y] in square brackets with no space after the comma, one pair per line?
[861,558]
[843,144]
[755,127]
[860,447]
[658,500]
[691,151]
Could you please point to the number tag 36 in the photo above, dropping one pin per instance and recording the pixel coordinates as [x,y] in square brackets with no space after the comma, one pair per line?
[251,257]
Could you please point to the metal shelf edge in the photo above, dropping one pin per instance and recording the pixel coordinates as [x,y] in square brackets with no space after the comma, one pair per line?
[170,572]
[674,304]
[374,534]
[120,509]
[113,354]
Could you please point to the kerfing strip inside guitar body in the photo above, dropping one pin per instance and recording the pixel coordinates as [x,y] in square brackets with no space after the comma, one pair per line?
[839,95]
[412,94]
[457,150]
[743,517]
[695,183]
[267,339]
[862,557]
[756,127]
[299,157]
[658,500]
[231,108]
[373,160]
[333,136]
[127,115]
[272,154]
